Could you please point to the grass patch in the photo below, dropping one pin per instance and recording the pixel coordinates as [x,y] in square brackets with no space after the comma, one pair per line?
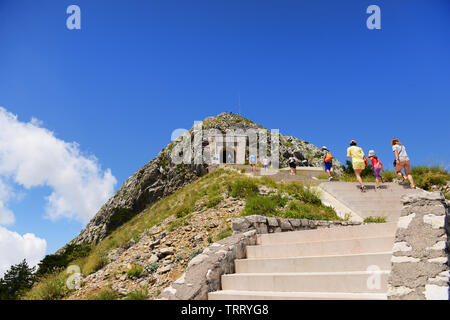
[322,176]
[260,205]
[375,219]
[301,210]
[213,202]
[138,294]
[242,187]
[427,177]
[175,224]
[135,271]
[50,287]
[105,294]
[224,234]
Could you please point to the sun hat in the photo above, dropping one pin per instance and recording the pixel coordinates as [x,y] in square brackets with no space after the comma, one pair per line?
[371,153]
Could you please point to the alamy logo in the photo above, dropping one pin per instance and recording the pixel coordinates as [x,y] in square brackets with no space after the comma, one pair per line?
[74,280]
[374,21]
[74,20]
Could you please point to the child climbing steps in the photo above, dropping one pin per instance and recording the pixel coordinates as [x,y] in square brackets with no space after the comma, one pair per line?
[377,168]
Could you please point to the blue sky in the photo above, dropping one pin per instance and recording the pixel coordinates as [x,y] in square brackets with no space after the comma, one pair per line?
[137,70]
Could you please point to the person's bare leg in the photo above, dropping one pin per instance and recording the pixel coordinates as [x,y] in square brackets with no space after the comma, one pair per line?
[358,177]
[411,181]
[378,182]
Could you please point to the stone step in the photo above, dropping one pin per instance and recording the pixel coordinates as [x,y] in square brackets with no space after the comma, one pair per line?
[349,282]
[319,248]
[334,233]
[355,262]
[275,295]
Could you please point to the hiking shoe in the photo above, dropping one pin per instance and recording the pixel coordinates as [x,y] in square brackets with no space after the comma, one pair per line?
[330,178]
[363,189]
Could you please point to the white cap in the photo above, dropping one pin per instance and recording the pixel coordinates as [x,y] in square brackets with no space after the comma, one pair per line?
[371,153]
[324,148]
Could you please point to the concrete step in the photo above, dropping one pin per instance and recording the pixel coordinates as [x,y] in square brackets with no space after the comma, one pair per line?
[274,295]
[355,262]
[319,248]
[335,233]
[349,282]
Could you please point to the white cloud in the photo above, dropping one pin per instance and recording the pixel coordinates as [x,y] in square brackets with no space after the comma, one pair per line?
[32,156]
[14,248]
[6,215]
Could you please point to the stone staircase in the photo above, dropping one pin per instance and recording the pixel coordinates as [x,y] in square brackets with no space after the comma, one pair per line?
[335,263]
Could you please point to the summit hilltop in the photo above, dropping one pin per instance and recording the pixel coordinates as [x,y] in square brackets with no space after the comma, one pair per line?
[161,176]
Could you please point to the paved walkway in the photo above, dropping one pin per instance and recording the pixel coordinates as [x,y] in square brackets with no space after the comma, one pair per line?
[384,202]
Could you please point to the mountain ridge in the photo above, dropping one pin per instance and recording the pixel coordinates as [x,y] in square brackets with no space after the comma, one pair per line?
[161,176]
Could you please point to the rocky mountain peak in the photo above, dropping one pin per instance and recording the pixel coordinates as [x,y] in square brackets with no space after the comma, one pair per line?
[162,176]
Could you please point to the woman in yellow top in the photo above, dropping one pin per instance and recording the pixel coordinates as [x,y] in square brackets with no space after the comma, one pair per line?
[357,155]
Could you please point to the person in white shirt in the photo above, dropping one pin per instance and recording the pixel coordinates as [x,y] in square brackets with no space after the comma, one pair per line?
[402,161]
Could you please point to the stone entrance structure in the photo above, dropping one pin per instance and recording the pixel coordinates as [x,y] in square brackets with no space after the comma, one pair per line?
[230,148]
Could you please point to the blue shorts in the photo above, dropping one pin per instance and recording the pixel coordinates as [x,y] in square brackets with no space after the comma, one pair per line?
[328,165]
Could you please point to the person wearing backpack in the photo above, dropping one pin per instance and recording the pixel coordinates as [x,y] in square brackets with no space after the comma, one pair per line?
[402,161]
[377,168]
[328,161]
[293,164]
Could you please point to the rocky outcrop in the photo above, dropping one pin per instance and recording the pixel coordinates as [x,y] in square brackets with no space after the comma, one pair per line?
[420,267]
[161,176]
[157,179]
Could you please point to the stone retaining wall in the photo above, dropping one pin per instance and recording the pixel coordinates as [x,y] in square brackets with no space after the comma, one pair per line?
[271,224]
[204,272]
[420,267]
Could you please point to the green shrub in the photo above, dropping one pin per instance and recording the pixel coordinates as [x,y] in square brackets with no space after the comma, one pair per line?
[56,262]
[135,271]
[138,294]
[427,177]
[195,253]
[308,195]
[389,176]
[280,200]
[224,234]
[375,219]
[301,210]
[94,264]
[105,294]
[175,224]
[184,209]
[153,267]
[213,202]
[242,187]
[260,205]
[51,287]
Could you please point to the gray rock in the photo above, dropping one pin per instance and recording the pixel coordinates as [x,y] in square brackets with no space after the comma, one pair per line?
[285,225]
[240,225]
[167,251]
[153,259]
[273,222]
